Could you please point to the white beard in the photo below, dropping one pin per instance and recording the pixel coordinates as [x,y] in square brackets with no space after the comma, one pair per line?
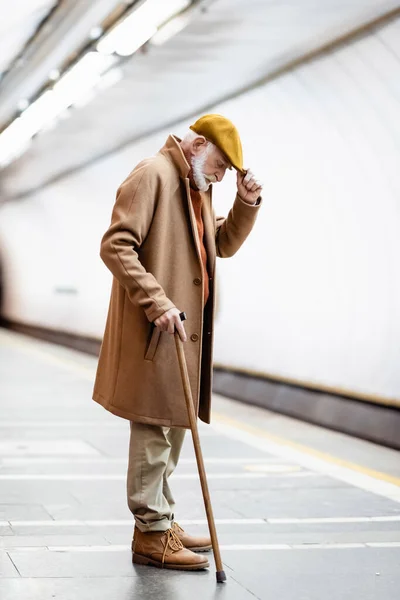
[202,181]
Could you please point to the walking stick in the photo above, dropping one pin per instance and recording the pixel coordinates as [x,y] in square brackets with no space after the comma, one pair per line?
[221,577]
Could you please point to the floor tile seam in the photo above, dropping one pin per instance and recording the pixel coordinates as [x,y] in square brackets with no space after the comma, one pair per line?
[232,576]
[229,521]
[182,472]
[14,565]
[177,476]
[20,460]
[224,547]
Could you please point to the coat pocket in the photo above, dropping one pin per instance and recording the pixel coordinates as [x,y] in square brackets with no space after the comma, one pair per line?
[152,342]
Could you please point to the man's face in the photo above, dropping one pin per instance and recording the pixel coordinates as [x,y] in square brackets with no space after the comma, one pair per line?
[215,165]
[208,163]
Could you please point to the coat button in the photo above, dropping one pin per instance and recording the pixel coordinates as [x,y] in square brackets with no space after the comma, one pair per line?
[197,281]
[194,337]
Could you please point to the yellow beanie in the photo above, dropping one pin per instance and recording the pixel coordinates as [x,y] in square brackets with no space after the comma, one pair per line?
[222,132]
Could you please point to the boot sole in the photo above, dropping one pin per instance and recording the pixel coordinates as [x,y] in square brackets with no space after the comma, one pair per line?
[139,559]
[200,548]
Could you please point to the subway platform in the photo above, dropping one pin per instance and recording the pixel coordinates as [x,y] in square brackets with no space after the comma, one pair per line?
[302,513]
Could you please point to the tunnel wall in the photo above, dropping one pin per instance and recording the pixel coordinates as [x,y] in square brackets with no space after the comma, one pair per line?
[314,295]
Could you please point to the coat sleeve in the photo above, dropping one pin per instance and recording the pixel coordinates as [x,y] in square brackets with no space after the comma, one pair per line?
[130,222]
[232,231]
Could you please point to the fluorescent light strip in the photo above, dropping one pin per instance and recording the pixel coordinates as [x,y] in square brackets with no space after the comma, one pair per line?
[75,85]
[139,26]
[171,28]
[155,19]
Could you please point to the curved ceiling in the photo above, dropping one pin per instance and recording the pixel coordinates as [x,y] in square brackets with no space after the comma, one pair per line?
[225,49]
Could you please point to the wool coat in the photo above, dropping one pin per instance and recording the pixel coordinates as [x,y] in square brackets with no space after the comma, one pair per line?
[153,251]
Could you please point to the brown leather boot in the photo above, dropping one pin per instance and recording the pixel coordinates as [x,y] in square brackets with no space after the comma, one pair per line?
[163,549]
[195,544]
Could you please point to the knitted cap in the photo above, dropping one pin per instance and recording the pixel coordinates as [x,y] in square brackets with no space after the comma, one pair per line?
[221,132]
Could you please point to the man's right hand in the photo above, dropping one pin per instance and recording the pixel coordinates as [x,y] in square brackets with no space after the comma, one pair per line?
[169,320]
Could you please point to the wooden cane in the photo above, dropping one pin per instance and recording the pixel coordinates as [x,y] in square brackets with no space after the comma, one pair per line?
[221,577]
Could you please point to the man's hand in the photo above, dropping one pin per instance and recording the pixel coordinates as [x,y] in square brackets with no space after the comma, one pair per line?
[169,320]
[249,189]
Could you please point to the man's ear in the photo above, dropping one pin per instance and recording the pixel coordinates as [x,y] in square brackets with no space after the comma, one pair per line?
[198,144]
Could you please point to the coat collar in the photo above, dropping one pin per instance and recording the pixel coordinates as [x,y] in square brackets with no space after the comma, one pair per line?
[172,149]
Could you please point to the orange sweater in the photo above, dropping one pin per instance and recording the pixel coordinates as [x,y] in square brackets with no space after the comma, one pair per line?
[196,203]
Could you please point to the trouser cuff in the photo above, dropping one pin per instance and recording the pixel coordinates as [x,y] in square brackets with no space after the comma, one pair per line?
[161,525]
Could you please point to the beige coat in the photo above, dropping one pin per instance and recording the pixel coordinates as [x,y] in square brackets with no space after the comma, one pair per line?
[152,249]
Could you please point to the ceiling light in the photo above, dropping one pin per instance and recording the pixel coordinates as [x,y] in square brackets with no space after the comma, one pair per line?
[74,86]
[95,33]
[84,75]
[54,74]
[22,104]
[127,37]
[13,142]
[170,29]
[136,29]
[161,11]
[129,44]
[41,111]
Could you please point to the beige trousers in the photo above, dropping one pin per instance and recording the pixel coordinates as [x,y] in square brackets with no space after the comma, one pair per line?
[153,455]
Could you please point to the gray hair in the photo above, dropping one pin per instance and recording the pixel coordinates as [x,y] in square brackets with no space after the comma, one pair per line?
[192,135]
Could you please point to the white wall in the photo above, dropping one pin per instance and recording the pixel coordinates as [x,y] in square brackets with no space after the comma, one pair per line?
[315,293]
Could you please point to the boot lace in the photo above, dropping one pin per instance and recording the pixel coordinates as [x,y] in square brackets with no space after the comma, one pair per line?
[178,527]
[171,541]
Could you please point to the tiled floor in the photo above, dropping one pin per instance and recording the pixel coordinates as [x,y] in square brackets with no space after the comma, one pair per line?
[297,518]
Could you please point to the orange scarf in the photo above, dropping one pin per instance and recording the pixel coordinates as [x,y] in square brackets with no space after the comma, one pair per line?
[196,203]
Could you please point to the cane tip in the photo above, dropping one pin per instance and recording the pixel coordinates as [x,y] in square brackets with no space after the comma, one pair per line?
[221,577]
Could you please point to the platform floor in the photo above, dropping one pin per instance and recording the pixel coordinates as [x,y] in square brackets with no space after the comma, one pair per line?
[302,513]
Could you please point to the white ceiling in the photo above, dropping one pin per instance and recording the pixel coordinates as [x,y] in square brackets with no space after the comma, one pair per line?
[18,22]
[232,45]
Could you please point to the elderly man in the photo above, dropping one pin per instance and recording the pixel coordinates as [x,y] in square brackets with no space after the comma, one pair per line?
[161,248]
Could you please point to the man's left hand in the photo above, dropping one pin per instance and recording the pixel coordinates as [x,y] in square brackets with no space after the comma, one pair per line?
[249,189]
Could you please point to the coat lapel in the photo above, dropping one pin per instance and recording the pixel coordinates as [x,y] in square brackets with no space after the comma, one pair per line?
[173,151]
[192,219]
[209,231]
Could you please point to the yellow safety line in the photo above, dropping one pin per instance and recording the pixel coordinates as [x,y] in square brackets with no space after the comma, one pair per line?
[306,449]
